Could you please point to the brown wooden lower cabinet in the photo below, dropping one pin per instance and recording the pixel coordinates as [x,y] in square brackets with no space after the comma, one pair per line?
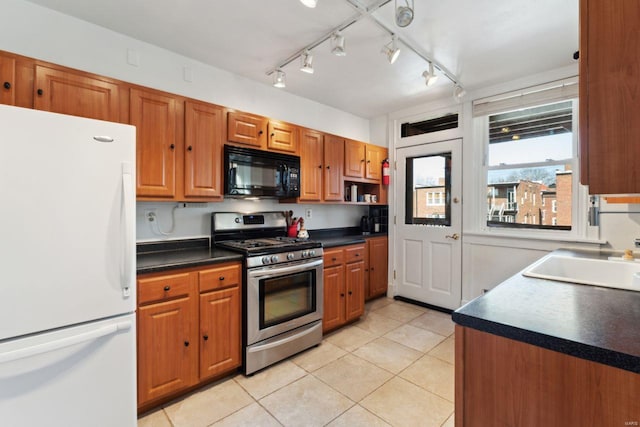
[502,382]
[343,285]
[189,324]
[377,266]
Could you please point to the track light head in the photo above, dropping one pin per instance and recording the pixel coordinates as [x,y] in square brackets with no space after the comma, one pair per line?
[404,14]
[279,79]
[391,50]
[458,92]
[309,3]
[306,62]
[430,76]
[338,44]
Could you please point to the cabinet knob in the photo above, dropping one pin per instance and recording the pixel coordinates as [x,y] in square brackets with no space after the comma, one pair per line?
[205,337]
[221,278]
[341,295]
[372,268]
[7,85]
[357,254]
[350,293]
[189,148]
[334,259]
[368,161]
[172,146]
[260,132]
[273,134]
[186,343]
[320,167]
[328,167]
[39,92]
[167,288]
[362,161]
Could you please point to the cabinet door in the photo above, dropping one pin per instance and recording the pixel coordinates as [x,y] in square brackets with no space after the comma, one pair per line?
[282,137]
[609,101]
[378,266]
[155,117]
[311,143]
[219,332]
[167,349]
[333,183]
[354,280]
[247,129]
[7,80]
[203,150]
[373,169]
[334,298]
[76,94]
[354,158]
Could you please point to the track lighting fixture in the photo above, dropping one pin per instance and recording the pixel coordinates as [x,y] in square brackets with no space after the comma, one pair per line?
[309,3]
[337,44]
[430,76]
[391,50]
[458,92]
[279,79]
[306,62]
[404,14]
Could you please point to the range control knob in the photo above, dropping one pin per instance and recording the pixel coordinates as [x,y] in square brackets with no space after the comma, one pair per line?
[274,258]
[305,254]
[312,252]
[265,260]
[290,256]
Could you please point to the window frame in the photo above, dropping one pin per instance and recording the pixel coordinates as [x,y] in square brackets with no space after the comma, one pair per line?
[579,227]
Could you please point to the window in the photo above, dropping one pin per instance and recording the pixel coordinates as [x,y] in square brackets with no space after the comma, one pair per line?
[428,197]
[531,152]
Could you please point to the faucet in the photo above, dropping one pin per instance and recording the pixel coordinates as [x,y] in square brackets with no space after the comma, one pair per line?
[637,242]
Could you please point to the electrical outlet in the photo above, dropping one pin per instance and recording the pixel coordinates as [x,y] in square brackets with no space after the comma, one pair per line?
[307,213]
[150,214]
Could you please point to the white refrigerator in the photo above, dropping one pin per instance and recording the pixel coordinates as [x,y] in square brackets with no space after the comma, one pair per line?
[67,271]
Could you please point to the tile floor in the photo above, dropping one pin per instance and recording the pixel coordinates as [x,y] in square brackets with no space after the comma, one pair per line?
[392,367]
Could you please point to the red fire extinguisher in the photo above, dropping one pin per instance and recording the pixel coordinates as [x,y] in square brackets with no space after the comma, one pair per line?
[386,172]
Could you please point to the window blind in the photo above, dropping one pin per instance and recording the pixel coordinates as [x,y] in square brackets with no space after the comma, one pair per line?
[547,93]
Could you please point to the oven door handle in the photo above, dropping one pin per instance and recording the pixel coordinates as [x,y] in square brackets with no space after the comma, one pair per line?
[283,270]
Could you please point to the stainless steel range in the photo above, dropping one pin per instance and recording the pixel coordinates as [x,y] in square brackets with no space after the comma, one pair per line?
[282,296]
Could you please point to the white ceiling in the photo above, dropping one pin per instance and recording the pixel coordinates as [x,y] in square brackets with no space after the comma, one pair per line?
[482,42]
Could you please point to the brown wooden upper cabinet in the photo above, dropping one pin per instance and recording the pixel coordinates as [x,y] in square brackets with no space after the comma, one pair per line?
[77,94]
[203,150]
[609,101]
[363,160]
[155,116]
[247,129]
[321,161]
[282,137]
[16,80]
[311,167]
[7,80]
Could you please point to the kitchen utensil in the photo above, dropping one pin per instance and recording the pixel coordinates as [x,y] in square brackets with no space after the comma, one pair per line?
[365,224]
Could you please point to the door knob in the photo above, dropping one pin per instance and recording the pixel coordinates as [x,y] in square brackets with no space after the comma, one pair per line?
[454,236]
[456,200]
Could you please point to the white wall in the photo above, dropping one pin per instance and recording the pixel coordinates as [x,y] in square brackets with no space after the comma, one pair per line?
[41,33]
[196,222]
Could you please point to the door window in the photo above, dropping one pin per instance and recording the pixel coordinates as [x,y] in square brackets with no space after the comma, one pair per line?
[428,190]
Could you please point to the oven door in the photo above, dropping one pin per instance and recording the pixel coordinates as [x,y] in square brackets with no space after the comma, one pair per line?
[283,297]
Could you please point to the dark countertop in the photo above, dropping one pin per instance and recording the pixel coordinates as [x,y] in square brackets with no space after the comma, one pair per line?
[161,256]
[331,238]
[589,322]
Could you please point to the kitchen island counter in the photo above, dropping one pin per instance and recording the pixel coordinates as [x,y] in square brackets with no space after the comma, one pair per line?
[593,323]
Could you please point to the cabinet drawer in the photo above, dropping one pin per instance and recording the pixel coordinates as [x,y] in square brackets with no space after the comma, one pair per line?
[163,287]
[219,277]
[354,253]
[333,257]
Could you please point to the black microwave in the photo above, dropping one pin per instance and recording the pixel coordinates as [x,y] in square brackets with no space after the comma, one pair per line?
[258,173]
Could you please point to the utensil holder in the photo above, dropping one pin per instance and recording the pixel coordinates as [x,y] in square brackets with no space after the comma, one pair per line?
[292,230]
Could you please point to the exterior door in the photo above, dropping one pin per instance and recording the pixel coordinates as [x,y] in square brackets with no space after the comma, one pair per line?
[429,222]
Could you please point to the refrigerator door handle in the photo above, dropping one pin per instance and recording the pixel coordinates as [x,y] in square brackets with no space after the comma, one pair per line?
[48,347]
[129,198]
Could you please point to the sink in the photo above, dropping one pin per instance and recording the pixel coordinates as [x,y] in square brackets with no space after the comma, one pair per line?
[587,271]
